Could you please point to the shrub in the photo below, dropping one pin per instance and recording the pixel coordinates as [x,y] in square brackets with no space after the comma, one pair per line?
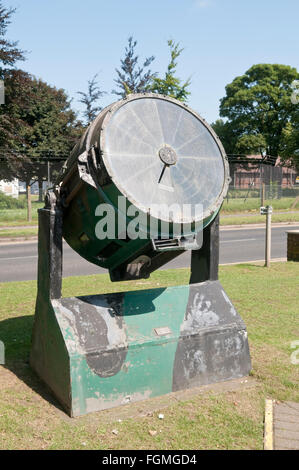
[8,202]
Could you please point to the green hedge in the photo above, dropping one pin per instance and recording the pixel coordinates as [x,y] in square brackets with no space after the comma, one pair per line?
[8,202]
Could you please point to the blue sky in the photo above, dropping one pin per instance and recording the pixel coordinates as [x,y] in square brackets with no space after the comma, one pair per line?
[71,40]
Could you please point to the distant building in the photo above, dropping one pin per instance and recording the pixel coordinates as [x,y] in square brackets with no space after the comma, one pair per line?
[34,188]
[255,173]
[10,188]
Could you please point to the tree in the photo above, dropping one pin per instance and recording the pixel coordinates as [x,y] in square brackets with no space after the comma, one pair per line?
[226,134]
[290,143]
[35,121]
[171,85]
[9,53]
[53,127]
[249,143]
[258,107]
[90,99]
[17,96]
[133,78]
[236,145]
[14,83]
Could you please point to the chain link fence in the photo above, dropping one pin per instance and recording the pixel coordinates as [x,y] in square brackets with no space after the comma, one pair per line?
[255,184]
[254,181]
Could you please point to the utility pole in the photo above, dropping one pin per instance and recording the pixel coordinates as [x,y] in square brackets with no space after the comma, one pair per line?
[29,208]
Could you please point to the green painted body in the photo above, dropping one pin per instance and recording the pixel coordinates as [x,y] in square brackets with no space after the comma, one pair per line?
[103,351]
[147,370]
[79,225]
[80,219]
[143,374]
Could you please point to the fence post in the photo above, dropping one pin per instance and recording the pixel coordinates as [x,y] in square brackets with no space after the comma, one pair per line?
[263,194]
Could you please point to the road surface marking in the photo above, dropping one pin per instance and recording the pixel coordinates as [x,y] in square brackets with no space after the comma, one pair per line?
[238,240]
[253,261]
[221,241]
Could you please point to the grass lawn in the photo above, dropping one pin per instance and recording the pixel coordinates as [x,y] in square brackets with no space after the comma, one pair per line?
[15,232]
[268,301]
[258,219]
[19,216]
[15,217]
[24,233]
[250,204]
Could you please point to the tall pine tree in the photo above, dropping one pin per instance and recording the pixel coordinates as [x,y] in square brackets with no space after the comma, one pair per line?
[132,77]
[91,99]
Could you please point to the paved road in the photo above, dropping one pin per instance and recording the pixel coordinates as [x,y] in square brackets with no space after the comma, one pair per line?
[18,261]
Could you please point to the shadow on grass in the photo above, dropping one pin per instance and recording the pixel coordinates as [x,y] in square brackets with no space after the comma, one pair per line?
[251,265]
[15,333]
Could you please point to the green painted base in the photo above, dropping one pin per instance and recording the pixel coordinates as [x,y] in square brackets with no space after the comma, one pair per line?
[102,351]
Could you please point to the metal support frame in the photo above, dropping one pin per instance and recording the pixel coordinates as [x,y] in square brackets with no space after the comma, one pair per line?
[49,279]
[205,261]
